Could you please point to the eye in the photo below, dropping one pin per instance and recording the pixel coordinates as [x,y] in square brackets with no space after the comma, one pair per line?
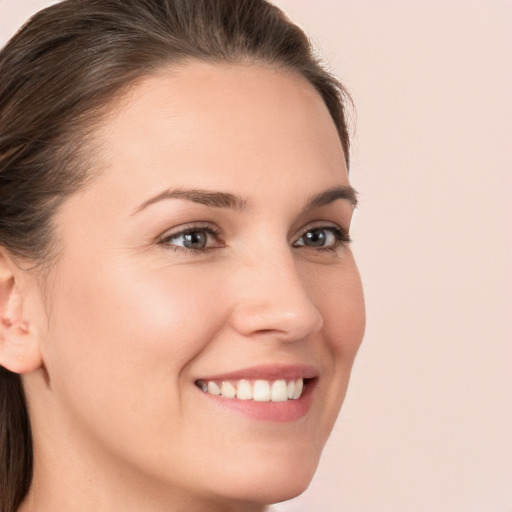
[193,238]
[323,237]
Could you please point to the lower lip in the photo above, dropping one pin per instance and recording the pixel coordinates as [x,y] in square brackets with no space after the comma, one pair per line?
[279,412]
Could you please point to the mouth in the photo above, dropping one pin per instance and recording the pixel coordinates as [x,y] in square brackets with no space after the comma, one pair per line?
[266,393]
[258,390]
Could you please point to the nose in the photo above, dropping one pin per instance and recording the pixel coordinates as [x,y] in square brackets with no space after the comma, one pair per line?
[273,301]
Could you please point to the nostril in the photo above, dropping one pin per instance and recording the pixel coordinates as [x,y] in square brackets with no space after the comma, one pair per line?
[266,332]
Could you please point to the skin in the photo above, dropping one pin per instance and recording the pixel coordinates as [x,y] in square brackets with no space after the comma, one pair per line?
[127,321]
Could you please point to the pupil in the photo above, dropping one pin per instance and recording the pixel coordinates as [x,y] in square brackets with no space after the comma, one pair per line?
[195,240]
[315,238]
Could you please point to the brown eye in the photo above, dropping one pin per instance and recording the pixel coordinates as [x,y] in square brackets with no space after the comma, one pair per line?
[316,238]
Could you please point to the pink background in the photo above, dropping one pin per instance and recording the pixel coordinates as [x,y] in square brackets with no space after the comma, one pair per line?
[427,423]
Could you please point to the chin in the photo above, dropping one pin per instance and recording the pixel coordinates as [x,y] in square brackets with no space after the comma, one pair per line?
[273,485]
[286,488]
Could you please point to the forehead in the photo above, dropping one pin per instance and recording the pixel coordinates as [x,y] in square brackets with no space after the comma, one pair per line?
[205,124]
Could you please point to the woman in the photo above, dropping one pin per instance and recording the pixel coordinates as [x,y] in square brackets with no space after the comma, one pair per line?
[180,309]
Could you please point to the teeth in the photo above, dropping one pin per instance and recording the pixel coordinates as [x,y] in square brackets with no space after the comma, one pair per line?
[258,390]
[261,391]
[213,388]
[299,385]
[291,389]
[228,390]
[279,391]
[244,390]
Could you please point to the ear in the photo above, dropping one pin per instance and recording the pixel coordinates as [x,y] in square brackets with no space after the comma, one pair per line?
[19,340]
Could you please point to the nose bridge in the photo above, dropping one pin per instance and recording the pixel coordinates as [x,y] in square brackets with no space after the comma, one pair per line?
[273,300]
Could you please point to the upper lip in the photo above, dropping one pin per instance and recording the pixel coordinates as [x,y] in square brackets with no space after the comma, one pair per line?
[267,372]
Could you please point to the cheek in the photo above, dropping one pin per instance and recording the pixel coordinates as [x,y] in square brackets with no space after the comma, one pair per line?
[347,320]
[338,295]
[130,331]
[118,352]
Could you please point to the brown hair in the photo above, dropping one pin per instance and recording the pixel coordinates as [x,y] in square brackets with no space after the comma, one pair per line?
[58,75]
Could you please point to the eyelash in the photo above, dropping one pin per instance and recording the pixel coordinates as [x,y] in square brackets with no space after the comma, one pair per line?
[342,238]
[210,229]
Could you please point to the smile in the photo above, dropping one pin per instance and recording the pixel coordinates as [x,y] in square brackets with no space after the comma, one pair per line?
[273,393]
[280,390]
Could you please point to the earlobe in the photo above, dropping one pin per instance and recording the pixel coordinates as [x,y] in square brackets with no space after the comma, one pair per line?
[19,340]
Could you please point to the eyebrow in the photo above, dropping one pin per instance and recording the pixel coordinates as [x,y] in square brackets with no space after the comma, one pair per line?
[205,197]
[235,202]
[333,194]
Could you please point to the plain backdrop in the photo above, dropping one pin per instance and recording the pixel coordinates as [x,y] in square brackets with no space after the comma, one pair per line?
[427,423]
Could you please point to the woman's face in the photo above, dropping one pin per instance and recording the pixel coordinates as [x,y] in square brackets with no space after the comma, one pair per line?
[209,249]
